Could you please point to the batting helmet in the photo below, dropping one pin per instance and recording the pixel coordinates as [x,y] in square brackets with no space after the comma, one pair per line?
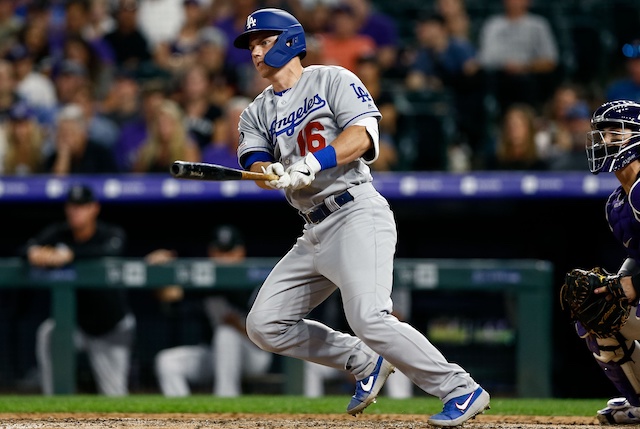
[612,150]
[290,42]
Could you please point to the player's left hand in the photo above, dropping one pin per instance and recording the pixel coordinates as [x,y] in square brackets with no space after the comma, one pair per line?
[283,178]
[303,172]
[596,299]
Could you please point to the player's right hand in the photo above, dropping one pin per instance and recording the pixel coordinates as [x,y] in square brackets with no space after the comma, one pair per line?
[278,169]
[303,171]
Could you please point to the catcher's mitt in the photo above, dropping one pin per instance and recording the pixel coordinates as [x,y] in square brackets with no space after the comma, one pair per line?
[600,314]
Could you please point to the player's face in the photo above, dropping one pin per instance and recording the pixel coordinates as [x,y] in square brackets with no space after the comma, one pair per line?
[615,136]
[599,140]
[81,216]
[259,44]
[604,144]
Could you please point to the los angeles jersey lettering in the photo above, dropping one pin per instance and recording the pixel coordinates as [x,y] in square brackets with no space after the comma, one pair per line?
[300,121]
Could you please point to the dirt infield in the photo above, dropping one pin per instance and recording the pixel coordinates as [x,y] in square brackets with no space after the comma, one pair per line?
[276,421]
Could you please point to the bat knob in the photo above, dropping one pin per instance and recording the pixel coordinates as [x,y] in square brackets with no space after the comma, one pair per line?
[178,169]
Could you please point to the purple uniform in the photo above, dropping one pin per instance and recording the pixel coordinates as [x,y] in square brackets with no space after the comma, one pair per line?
[624,219]
[613,145]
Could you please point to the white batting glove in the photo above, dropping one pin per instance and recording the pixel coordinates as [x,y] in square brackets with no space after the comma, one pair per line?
[303,171]
[277,169]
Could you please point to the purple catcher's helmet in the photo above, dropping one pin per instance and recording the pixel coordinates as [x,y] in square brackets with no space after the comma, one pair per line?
[614,141]
[290,42]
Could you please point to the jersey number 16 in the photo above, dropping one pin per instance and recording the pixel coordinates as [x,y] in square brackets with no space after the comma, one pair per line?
[310,140]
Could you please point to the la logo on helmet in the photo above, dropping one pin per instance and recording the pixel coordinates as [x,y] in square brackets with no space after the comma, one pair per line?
[251,22]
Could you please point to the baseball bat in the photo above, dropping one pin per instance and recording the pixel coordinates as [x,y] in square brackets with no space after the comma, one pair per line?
[214,172]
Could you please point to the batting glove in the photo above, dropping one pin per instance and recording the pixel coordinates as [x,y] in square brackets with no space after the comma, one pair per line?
[303,171]
[277,169]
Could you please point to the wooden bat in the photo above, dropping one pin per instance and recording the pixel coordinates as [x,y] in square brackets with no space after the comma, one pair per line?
[205,171]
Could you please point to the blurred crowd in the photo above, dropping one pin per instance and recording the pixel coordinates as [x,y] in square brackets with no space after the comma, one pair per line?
[129,86]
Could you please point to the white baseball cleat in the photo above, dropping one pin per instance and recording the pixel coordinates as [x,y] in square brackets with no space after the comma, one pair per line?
[619,412]
[368,388]
[462,408]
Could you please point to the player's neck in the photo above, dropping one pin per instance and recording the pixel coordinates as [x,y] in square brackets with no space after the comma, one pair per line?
[287,76]
[628,175]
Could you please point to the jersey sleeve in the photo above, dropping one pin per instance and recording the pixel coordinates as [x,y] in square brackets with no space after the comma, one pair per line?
[352,103]
[350,99]
[253,135]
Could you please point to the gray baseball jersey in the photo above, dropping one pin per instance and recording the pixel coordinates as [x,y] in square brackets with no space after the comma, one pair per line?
[307,118]
[351,249]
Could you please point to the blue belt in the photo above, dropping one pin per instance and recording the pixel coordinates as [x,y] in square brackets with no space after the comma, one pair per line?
[323,210]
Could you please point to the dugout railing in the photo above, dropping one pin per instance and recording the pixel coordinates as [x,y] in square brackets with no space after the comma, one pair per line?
[529,282]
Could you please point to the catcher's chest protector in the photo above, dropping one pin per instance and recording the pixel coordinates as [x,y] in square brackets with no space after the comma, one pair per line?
[625,227]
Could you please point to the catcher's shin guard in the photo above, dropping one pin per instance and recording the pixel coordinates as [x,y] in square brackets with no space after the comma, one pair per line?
[619,358]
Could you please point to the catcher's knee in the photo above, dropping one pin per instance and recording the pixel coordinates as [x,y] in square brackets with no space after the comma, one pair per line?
[616,348]
[620,360]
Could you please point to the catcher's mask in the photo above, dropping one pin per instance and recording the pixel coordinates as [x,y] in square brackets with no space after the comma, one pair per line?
[614,139]
[290,42]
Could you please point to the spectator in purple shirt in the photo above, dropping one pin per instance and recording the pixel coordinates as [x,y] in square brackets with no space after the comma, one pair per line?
[232,26]
[381,28]
[134,132]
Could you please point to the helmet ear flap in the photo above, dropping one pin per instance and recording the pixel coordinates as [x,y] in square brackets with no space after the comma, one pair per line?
[290,43]
[277,57]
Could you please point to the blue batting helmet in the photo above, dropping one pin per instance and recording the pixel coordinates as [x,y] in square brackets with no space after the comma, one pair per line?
[290,42]
[614,141]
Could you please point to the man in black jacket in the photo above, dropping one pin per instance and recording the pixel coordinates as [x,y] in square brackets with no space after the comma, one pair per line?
[105,324]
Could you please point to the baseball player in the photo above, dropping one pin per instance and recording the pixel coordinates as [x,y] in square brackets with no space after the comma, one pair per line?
[613,145]
[229,355]
[106,324]
[316,128]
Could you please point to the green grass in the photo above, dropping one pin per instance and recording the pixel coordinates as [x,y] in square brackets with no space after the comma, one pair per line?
[279,404]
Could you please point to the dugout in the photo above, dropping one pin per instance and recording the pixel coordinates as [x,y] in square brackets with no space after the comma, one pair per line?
[547,216]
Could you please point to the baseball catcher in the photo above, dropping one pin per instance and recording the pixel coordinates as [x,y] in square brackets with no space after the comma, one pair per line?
[603,306]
